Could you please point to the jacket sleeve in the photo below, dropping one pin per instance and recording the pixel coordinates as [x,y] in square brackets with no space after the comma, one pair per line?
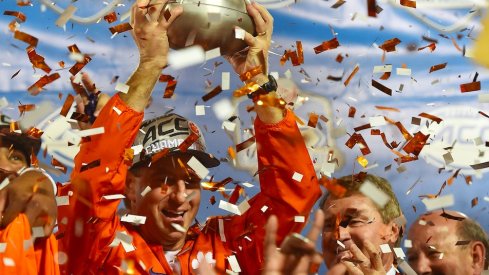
[289,188]
[100,170]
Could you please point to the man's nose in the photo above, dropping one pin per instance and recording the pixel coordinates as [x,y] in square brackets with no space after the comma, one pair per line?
[422,264]
[344,234]
[179,192]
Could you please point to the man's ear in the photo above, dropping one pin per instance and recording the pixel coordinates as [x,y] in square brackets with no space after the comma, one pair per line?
[395,232]
[130,190]
[478,253]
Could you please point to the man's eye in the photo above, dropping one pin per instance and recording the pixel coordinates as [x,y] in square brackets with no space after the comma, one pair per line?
[15,158]
[434,254]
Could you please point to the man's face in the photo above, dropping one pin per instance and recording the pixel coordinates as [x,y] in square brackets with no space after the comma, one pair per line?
[174,199]
[11,160]
[434,251]
[359,221]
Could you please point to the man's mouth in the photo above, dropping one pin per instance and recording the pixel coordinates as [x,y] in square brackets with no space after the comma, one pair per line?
[173,216]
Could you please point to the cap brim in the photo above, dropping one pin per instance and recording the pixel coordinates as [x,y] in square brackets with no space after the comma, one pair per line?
[207,160]
[23,142]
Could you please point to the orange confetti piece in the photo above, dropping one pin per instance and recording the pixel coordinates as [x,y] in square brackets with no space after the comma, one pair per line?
[350,77]
[120,28]
[58,165]
[217,90]
[470,87]
[231,152]
[249,88]
[245,144]
[333,187]
[128,156]
[183,147]
[416,144]
[474,202]
[357,138]
[165,78]
[372,8]
[339,58]
[235,195]
[34,132]
[80,65]
[61,64]
[18,15]
[327,45]
[300,52]
[37,87]
[251,73]
[26,108]
[67,105]
[431,117]
[313,120]
[408,3]
[352,111]
[111,17]
[431,46]
[381,87]
[384,108]
[386,76]
[37,60]
[437,67]
[456,45]
[170,89]
[390,45]
[24,37]
[160,154]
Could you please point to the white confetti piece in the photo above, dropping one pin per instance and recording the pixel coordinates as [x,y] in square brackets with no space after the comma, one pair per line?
[223,109]
[385,248]
[382,69]
[239,33]
[62,200]
[328,168]
[113,197]
[198,167]
[122,87]
[422,222]
[221,230]
[186,57]
[408,243]
[440,202]
[118,112]
[65,16]
[376,121]
[211,54]
[407,268]
[179,227]
[3,246]
[233,262]
[247,184]
[275,75]
[340,244]
[38,232]
[264,208]
[228,125]
[297,177]
[4,183]
[375,194]
[399,252]
[8,261]
[199,110]
[300,219]
[225,81]
[145,191]
[403,71]
[91,132]
[134,219]
[483,98]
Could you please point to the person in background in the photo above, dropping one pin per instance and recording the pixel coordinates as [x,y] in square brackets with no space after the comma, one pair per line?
[447,242]
[27,207]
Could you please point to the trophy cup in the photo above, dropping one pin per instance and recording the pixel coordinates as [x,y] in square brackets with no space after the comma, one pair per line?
[210,24]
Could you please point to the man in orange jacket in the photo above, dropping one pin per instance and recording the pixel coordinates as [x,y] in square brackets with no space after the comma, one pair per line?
[27,207]
[163,190]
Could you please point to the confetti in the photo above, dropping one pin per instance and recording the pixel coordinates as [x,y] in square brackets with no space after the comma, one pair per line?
[390,45]
[408,3]
[480,165]
[66,16]
[120,28]
[134,219]
[214,92]
[245,144]
[313,120]
[333,187]
[431,117]
[225,81]
[371,8]
[338,4]
[327,45]
[233,262]
[381,87]
[399,253]
[24,37]
[122,87]
[199,110]
[297,177]
[374,193]
[355,70]
[251,73]
[93,164]
[113,197]
[385,248]
[438,67]
[111,17]
[67,105]
[362,161]
[36,60]
[431,46]
[357,138]
[470,87]
[37,87]
[91,132]
[437,203]
[474,202]
[170,89]
[300,219]
[186,57]
[198,168]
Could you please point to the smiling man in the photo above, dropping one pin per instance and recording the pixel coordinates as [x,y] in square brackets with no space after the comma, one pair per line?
[447,242]
[162,188]
[356,220]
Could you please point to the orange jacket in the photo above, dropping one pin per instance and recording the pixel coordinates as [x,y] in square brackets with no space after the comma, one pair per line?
[93,223]
[21,257]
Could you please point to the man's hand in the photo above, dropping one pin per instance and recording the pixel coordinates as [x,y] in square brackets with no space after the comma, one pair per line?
[294,257]
[368,262]
[150,25]
[32,194]
[257,52]
[89,95]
